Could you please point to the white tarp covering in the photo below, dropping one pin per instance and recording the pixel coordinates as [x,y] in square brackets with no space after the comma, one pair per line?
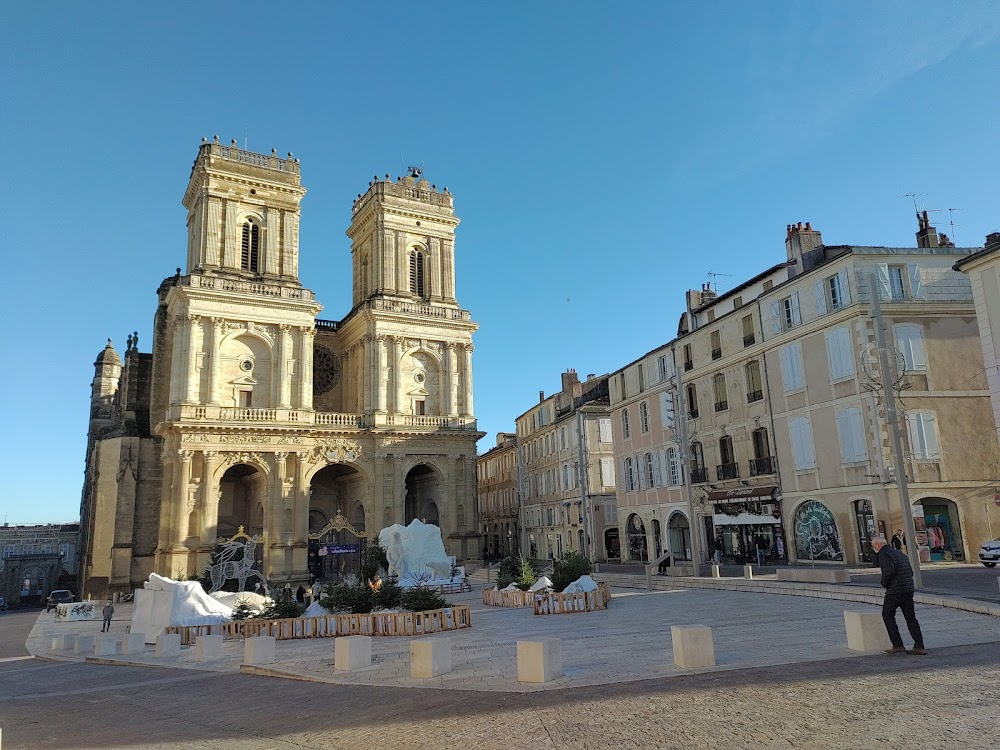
[583,583]
[163,602]
[541,583]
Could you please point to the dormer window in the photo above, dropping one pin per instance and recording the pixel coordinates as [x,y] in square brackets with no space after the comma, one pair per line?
[417,263]
[250,247]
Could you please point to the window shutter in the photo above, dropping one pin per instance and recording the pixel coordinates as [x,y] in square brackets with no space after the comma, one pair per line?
[913,428]
[930,435]
[845,288]
[917,348]
[775,318]
[786,369]
[846,438]
[796,317]
[820,293]
[657,469]
[884,287]
[916,290]
[640,462]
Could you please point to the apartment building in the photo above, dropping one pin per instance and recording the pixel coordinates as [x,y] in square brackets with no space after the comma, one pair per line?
[499,497]
[568,472]
[784,442]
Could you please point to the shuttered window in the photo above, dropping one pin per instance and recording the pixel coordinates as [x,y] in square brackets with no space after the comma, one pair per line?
[792,373]
[840,354]
[922,428]
[800,433]
[850,429]
[910,344]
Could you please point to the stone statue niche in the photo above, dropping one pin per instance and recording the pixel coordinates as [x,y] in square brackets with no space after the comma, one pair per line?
[416,554]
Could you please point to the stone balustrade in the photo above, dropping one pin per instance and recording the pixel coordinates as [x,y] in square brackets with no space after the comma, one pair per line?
[339,420]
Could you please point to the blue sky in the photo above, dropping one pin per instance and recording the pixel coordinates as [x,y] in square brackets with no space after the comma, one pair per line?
[604,157]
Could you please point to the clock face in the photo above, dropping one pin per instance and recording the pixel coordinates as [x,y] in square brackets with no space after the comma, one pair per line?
[326,370]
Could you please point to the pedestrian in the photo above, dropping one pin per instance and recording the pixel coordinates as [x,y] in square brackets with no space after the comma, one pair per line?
[317,589]
[109,610]
[719,546]
[761,544]
[897,580]
[300,594]
[897,540]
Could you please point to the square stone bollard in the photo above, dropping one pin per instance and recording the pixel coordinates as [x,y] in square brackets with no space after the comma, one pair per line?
[539,661]
[134,643]
[352,652]
[108,645]
[866,631]
[693,646]
[168,645]
[429,657]
[207,647]
[84,644]
[748,572]
[64,642]
[259,650]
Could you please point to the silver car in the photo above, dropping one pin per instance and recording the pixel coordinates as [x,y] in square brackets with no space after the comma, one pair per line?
[989,553]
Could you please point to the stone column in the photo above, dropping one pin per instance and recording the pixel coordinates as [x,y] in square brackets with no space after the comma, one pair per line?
[214,349]
[366,373]
[274,554]
[306,334]
[191,359]
[179,497]
[450,381]
[467,381]
[176,360]
[394,382]
[210,500]
[283,395]
[301,497]
[381,383]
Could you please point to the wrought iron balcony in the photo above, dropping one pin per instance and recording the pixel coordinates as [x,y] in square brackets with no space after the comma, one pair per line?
[721,405]
[749,340]
[728,471]
[689,365]
[717,354]
[699,476]
[754,396]
[693,414]
[765,465]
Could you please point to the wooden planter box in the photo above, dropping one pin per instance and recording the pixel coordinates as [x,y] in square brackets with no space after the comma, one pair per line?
[331,626]
[552,603]
[494,598]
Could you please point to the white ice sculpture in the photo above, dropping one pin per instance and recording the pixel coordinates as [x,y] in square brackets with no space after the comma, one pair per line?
[163,602]
[541,583]
[416,553]
[583,583]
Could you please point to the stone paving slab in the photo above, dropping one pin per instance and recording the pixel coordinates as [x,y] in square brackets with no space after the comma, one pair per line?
[628,642]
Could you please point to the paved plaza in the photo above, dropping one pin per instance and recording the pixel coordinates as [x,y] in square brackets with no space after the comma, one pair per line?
[630,641]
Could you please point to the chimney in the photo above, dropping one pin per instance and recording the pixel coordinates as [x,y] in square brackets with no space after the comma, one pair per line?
[707,294]
[992,241]
[541,396]
[927,235]
[800,240]
[569,379]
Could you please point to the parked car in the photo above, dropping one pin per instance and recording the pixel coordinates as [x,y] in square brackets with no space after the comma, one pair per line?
[59,596]
[989,553]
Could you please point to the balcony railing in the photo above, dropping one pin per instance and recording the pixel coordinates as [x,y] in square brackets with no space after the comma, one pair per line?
[754,396]
[340,420]
[717,354]
[765,465]
[721,405]
[749,340]
[689,365]
[728,471]
[699,476]
[693,414]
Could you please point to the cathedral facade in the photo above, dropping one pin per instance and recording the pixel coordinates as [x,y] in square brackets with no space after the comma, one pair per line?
[253,412]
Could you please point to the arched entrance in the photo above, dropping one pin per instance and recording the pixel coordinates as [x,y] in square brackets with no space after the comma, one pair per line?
[336,496]
[636,531]
[865,520]
[242,491]
[679,536]
[942,526]
[816,533]
[612,544]
[424,490]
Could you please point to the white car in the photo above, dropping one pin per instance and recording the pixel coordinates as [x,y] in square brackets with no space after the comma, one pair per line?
[989,553]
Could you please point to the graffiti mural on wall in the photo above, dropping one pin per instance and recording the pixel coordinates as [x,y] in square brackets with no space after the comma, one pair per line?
[816,535]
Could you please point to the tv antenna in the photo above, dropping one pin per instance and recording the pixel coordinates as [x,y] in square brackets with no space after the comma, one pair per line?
[712,275]
[951,222]
[913,197]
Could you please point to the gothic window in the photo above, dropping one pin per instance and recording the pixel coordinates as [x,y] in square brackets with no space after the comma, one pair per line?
[250,247]
[417,268]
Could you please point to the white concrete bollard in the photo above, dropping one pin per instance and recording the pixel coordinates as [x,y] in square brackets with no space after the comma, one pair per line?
[135,643]
[429,657]
[539,661]
[259,650]
[352,652]
[866,631]
[168,645]
[693,646]
[748,572]
[84,644]
[716,571]
[108,645]
[207,647]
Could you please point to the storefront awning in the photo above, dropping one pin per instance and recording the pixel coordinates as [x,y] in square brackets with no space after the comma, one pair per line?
[719,496]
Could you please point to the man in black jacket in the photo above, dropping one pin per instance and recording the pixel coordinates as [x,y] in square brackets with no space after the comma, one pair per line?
[897,580]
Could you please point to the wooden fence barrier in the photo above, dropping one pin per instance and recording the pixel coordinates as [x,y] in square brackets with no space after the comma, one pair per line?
[501,598]
[551,603]
[330,626]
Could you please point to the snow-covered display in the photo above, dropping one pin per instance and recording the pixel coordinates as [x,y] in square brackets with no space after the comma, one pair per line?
[163,602]
[416,554]
[541,583]
[581,584]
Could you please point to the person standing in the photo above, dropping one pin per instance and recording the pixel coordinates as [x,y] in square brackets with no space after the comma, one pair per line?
[107,614]
[897,580]
[761,544]
[300,594]
[897,540]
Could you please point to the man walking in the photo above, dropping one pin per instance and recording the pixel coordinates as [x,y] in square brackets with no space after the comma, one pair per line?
[108,613]
[897,580]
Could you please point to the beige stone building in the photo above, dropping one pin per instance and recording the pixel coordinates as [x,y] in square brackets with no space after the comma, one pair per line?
[499,497]
[787,445]
[568,472]
[251,411]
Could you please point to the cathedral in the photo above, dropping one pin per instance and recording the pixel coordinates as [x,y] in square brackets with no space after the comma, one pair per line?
[251,411]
